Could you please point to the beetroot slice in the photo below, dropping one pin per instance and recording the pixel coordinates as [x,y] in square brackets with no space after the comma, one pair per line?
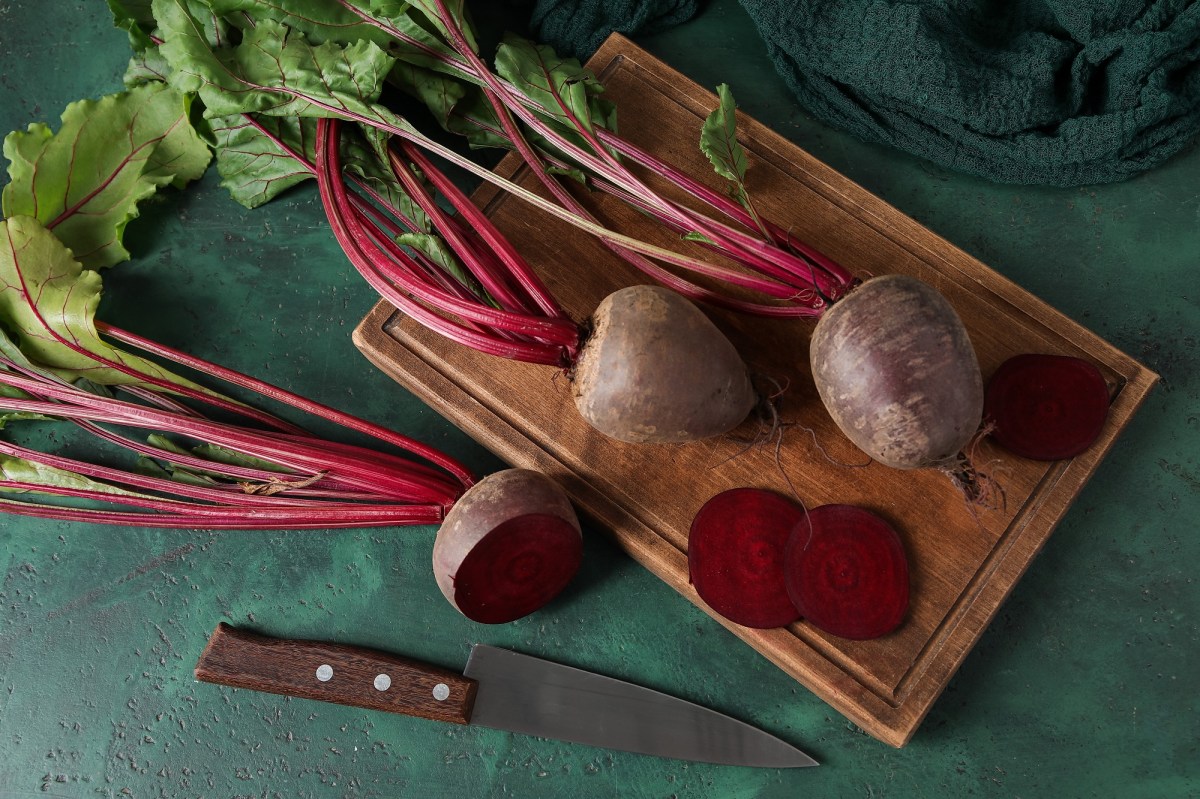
[517,567]
[847,573]
[1046,407]
[735,556]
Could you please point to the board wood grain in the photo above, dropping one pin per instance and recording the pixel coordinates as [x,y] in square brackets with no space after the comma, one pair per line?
[964,560]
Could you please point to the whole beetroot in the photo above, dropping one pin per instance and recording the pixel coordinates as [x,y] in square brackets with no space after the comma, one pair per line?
[897,372]
[655,369]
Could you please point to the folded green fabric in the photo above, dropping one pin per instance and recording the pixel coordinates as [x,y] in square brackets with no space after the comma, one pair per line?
[578,27]
[1059,92]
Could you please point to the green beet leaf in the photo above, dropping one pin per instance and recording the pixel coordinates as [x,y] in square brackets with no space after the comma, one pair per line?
[256,163]
[260,157]
[51,299]
[404,31]
[13,353]
[459,107]
[19,470]
[146,66]
[365,154]
[718,141]
[344,22]
[136,18]
[566,91]
[273,70]
[457,9]
[85,181]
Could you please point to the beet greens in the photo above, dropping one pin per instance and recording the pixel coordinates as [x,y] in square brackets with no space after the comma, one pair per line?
[206,460]
[278,103]
[247,469]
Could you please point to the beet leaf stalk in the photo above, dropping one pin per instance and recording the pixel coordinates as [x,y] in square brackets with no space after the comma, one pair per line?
[534,71]
[532,328]
[224,467]
[550,111]
[632,378]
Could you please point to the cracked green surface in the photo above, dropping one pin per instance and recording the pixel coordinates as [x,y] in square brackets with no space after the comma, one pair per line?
[1085,685]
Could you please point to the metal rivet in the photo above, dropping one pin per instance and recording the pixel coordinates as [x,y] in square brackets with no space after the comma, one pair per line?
[441,692]
[382,682]
[324,672]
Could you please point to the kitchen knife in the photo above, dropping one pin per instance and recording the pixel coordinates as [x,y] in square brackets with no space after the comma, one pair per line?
[500,689]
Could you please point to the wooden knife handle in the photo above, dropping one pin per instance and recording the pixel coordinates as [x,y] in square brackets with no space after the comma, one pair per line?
[337,673]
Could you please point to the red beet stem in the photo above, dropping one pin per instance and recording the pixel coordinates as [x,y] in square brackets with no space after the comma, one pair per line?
[1046,407]
[736,556]
[265,389]
[548,340]
[302,456]
[482,226]
[760,253]
[847,573]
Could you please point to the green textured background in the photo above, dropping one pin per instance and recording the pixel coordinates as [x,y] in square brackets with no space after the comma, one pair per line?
[1085,685]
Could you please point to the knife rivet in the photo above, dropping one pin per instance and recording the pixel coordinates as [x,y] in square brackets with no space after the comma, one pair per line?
[382,682]
[441,692]
[324,672]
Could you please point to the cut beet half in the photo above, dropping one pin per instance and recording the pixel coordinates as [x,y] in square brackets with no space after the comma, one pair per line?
[508,546]
[517,568]
[1046,407]
[736,556]
[846,572]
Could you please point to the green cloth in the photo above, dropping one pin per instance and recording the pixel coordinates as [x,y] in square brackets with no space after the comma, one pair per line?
[1059,92]
[578,27]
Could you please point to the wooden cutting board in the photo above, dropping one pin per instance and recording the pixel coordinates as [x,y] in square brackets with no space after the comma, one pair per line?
[964,560]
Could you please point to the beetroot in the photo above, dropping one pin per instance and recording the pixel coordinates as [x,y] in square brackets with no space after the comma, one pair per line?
[895,368]
[509,545]
[1046,407]
[846,572]
[736,556]
[655,369]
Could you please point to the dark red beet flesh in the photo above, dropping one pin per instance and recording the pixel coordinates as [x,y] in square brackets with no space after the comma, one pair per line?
[735,556]
[516,568]
[1046,407]
[846,572]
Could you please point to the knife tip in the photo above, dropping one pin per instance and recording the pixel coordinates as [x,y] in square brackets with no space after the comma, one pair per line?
[802,760]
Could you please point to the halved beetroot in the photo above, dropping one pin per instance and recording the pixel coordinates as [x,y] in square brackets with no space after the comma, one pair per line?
[846,572]
[508,546]
[736,552]
[1046,407]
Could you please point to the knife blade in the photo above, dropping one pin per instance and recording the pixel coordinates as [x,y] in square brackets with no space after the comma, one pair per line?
[499,689]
